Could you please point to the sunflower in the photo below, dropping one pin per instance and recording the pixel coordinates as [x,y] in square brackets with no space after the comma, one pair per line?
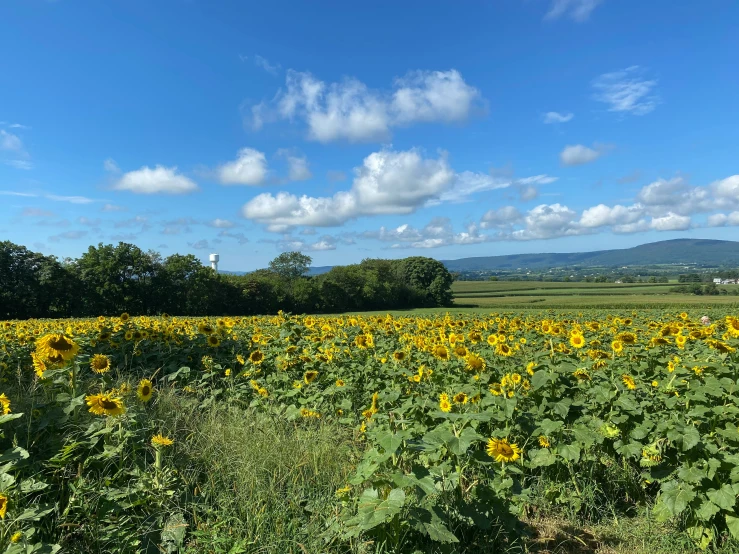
[496,389]
[145,390]
[256,357]
[310,376]
[544,441]
[444,404]
[38,365]
[617,346]
[515,378]
[205,329]
[577,340]
[493,340]
[502,451]
[125,317]
[460,351]
[100,363]
[460,398]
[55,346]
[441,352]
[628,381]
[213,341]
[5,403]
[160,440]
[581,374]
[340,383]
[105,404]
[503,350]
[399,356]
[3,505]
[474,362]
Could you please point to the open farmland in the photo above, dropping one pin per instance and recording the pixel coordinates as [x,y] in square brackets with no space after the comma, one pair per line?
[535,294]
[476,433]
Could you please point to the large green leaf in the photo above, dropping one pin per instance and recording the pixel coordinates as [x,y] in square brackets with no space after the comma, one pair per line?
[676,496]
[724,498]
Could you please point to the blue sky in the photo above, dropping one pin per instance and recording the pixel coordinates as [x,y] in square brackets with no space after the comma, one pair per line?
[443,129]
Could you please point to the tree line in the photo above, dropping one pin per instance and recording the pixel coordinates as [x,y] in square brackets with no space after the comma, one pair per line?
[109,280]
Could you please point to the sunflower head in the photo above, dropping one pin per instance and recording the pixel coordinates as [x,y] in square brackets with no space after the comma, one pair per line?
[100,363]
[105,404]
[503,451]
[310,376]
[158,441]
[145,390]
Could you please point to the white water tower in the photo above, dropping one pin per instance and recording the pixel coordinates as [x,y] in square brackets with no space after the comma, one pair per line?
[214,262]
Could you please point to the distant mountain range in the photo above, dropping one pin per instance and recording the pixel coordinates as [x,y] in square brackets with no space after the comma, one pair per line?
[700,252]
[697,252]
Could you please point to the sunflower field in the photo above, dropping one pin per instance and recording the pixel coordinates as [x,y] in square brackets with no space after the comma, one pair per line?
[459,427]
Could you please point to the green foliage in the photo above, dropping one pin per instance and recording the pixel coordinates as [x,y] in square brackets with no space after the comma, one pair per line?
[290,265]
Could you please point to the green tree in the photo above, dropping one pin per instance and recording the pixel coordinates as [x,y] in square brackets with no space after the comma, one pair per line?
[119,278]
[290,265]
[429,278]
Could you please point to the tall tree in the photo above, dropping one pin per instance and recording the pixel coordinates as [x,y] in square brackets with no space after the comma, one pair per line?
[290,265]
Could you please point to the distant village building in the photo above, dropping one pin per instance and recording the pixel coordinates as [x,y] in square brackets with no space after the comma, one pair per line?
[719,281]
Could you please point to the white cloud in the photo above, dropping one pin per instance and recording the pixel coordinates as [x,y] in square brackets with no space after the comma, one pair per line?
[249,168]
[200,244]
[221,223]
[578,155]
[628,228]
[69,235]
[556,117]
[602,215]
[70,199]
[548,221]
[627,91]
[578,10]
[468,183]
[502,217]
[10,142]
[727,188]
[433,96]
[110,166]
[113,208]
[438,232]
[297,165]
[721,220]
[161,179]
[387,183]
[671,222]
[14,193]
[19,164]
[241,238]
[349,110]
[264,64]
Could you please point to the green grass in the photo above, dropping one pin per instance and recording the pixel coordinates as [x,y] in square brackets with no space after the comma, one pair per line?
[266,485]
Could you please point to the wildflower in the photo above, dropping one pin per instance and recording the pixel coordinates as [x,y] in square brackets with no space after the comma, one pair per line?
[340,382]
[100,363]
[160,440]
[544,441]
[145,390]
[57,346]
[655,384]
[5,403]
[343,491]
[628,381]
[16,537]
[460,398]
[502,451]
[310,376]
[38,365]
[577,340]
[105,404]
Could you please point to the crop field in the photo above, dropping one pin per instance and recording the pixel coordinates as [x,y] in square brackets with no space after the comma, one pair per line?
[499,431]
[535,294]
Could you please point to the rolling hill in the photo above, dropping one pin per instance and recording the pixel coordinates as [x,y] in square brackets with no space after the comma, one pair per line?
[699,252]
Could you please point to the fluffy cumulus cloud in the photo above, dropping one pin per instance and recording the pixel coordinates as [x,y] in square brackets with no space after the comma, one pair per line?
[438,232]
[387,182]
[249,168]
[579,154]
[602,215]
[502,217]
[721,220]
[671,222]
[159,180]
[221,223]
[556,117]
[349,110]
[627,91]
[548,221]
[577,10]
